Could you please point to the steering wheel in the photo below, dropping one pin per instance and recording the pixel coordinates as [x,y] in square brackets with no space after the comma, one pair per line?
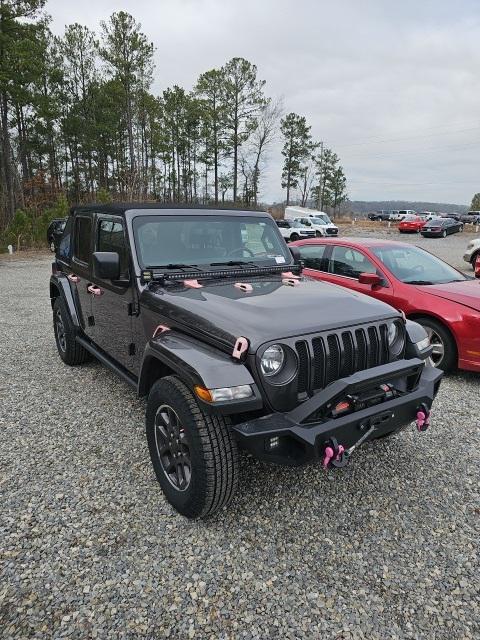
[241,250]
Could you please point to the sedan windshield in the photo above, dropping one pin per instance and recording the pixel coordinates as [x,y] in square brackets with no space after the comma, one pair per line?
[416,266]
[180,241]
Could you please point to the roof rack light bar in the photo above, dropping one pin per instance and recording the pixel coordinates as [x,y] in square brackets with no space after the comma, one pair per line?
[153,275]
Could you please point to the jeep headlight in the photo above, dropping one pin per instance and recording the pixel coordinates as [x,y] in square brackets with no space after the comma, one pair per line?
[396,339]
[272,360]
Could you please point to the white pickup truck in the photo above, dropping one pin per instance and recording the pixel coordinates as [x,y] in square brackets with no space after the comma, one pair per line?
[316,220]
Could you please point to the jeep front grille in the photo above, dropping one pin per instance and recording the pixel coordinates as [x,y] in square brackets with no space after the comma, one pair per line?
[328,357]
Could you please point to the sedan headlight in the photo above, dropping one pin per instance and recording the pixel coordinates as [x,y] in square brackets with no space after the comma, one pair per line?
[272,360]
[396,339]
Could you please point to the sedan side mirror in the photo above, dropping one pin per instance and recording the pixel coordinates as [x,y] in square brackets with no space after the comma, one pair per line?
[106,265]
[477,267]
[372,279]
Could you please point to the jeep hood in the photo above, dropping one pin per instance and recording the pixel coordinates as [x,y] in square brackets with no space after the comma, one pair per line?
[222,312]
[466,292]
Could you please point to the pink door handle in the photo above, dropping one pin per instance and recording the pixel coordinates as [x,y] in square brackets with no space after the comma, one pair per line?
[95,290]
[73,278]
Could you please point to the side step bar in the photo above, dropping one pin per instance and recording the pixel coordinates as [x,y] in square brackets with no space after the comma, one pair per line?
[109,362]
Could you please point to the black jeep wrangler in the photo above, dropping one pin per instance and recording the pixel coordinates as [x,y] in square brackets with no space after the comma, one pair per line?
[206,313]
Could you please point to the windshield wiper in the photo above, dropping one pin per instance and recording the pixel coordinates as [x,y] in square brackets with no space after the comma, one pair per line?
[234,263]
[174,265]
[418,282]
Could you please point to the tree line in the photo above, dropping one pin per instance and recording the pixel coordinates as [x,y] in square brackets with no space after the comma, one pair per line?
[78,121]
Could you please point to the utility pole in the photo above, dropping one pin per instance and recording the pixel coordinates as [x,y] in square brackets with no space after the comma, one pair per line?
[320,182]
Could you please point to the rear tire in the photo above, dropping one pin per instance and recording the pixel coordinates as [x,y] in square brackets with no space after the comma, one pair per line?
[294,237]
[445,349]
[69,350]
[194,455]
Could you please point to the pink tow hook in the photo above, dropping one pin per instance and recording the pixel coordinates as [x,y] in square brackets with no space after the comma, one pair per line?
[333,453]
[423,418]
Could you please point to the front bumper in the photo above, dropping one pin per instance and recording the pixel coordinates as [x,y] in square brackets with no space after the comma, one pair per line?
[298,439]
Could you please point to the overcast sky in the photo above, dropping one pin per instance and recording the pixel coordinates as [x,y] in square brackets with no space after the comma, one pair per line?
[392,86]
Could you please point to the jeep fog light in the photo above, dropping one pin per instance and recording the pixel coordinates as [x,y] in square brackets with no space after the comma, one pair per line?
[224,394]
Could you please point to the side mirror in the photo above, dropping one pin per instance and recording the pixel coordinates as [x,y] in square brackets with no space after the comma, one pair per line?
[477,267]
[106,265]
[372,279]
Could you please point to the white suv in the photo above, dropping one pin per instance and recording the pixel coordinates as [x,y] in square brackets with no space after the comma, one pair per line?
[293,230]
[472,251]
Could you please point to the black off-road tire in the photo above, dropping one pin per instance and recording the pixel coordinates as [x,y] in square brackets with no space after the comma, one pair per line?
[69,350]
[212,451]
[473,259]
[294,237]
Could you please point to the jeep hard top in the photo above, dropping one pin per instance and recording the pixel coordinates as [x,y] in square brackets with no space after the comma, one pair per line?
[206,313]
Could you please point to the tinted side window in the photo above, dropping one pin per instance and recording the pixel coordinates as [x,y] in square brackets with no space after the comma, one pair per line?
[313,257]
[350,263]
[111,238]
[83,232]
[65,242]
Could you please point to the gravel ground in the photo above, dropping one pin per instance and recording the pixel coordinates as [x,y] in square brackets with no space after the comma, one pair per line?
[385,548]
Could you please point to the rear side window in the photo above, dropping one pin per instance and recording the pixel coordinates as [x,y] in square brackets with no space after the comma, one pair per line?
[313,256]
[83,233]
[64,246]
[112,238]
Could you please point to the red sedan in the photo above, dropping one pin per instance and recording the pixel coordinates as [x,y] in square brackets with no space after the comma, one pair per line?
[445,301]
[411,224]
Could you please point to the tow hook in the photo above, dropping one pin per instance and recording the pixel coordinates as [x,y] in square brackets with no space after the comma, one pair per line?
[334,454]
[423,417]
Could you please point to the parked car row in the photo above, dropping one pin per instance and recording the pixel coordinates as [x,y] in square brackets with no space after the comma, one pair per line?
[472,217]
[443,300]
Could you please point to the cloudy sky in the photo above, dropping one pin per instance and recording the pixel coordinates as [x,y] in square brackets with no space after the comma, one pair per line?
[392,86]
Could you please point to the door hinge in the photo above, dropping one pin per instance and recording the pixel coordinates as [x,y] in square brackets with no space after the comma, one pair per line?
[133,309]
[131,349]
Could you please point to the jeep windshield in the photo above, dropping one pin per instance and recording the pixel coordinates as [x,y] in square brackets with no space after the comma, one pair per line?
[182,241]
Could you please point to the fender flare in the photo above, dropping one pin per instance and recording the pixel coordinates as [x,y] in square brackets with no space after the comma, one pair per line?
[62,286]
[196,364]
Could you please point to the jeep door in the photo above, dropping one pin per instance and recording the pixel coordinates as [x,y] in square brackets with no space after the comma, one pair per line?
[79,272]
[112,300]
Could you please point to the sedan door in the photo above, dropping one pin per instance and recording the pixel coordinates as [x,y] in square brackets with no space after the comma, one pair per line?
[342,265]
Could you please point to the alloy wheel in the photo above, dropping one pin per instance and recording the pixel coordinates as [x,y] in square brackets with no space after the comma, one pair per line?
[60,331]
[438,345]
[172,448]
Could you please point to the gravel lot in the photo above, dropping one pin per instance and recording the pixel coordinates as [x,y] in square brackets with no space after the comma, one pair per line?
[385,548]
